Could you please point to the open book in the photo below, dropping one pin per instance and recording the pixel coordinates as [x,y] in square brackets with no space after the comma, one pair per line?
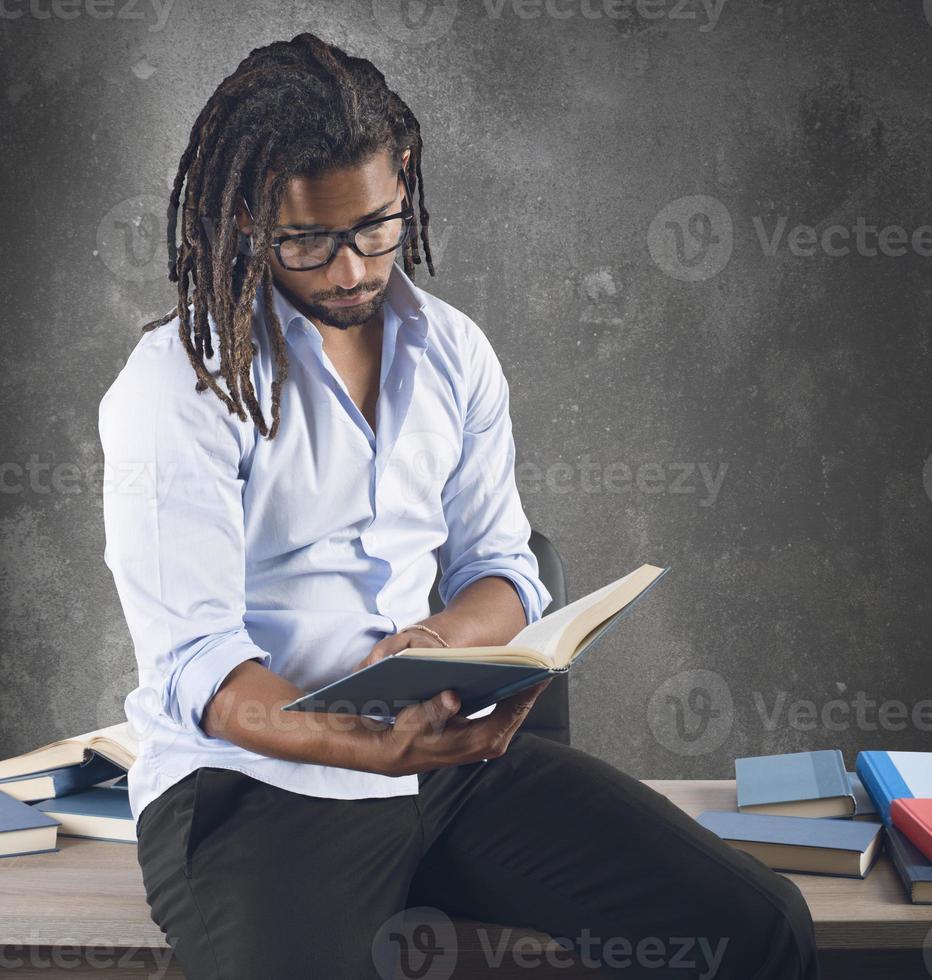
[116,743]
[484,675]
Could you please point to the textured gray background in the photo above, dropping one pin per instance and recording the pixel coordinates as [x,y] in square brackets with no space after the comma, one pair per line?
[558,152]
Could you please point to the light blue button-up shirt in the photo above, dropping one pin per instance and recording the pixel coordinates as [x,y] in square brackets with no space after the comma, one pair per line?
[305,550]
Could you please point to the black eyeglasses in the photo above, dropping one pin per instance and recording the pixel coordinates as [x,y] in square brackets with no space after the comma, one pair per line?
[312,250]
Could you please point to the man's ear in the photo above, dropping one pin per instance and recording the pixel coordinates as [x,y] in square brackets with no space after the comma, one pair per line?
[405,157]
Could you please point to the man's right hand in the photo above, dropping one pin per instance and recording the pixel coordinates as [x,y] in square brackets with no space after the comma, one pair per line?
[431,735]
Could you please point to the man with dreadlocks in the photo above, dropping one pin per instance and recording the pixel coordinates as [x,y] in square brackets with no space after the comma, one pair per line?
[291,449]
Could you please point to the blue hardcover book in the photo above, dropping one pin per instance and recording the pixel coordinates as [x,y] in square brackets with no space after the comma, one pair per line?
[889,776]
[913,867]
[100,813]
[482,676]
[23,830]
[796,784]
[846,848]
[61,781]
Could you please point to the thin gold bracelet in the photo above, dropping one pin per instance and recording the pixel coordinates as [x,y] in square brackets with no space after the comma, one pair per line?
[426,629]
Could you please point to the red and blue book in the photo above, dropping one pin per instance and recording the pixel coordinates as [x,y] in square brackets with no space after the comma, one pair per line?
[900,784]
[889,776]
[913,817]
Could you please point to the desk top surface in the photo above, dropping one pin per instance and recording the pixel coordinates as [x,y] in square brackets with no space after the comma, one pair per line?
[90,893]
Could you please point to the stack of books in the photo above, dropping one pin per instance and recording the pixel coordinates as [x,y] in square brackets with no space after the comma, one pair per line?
[804,812]
[74,787]
[900,783]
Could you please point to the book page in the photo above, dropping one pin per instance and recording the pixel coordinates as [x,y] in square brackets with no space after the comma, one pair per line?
[121,733]
[544,635]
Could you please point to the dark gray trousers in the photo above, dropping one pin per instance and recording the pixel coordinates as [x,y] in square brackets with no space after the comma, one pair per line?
[250,881]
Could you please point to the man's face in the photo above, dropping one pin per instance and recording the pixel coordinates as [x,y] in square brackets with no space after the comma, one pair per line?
[338,199]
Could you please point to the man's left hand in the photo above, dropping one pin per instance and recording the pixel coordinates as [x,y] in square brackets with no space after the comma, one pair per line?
[396,642]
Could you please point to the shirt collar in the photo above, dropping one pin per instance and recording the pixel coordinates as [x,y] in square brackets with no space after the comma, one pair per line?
[402,297]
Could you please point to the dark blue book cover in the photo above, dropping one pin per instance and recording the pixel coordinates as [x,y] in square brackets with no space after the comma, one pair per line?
[914,869]
[845,835]
[384,688]
[824,838]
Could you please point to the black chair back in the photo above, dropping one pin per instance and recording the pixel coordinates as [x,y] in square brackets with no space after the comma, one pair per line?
[550,716]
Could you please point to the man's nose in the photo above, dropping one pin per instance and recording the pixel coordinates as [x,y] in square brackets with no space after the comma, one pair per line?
[347,269]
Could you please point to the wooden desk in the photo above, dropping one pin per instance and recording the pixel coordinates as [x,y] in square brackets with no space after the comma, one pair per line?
[90,896]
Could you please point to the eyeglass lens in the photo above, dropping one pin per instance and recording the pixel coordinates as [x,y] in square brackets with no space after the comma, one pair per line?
[314,249]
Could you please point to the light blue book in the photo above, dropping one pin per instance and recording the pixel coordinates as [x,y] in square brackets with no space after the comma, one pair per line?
[23,830]
[797,784]
[889,776]
[100,813]
[61,781]
[847,848]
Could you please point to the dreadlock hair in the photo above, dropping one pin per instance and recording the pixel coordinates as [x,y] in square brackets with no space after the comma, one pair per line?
[296,107]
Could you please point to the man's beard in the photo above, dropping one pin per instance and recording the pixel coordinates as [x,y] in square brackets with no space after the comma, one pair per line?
[345,317]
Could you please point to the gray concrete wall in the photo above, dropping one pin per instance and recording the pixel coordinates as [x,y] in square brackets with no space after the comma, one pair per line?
[616,193]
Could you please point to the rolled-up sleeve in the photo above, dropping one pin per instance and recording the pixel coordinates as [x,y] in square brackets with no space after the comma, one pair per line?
[488,529]
[173,520]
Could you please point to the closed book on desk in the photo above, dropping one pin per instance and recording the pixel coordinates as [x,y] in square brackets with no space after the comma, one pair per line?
[795,784]
[914,818]
[62,781]
[117,743]
[484,675]
[846,848]
[23,830]
[913,867]
[101,813]
[890,776]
